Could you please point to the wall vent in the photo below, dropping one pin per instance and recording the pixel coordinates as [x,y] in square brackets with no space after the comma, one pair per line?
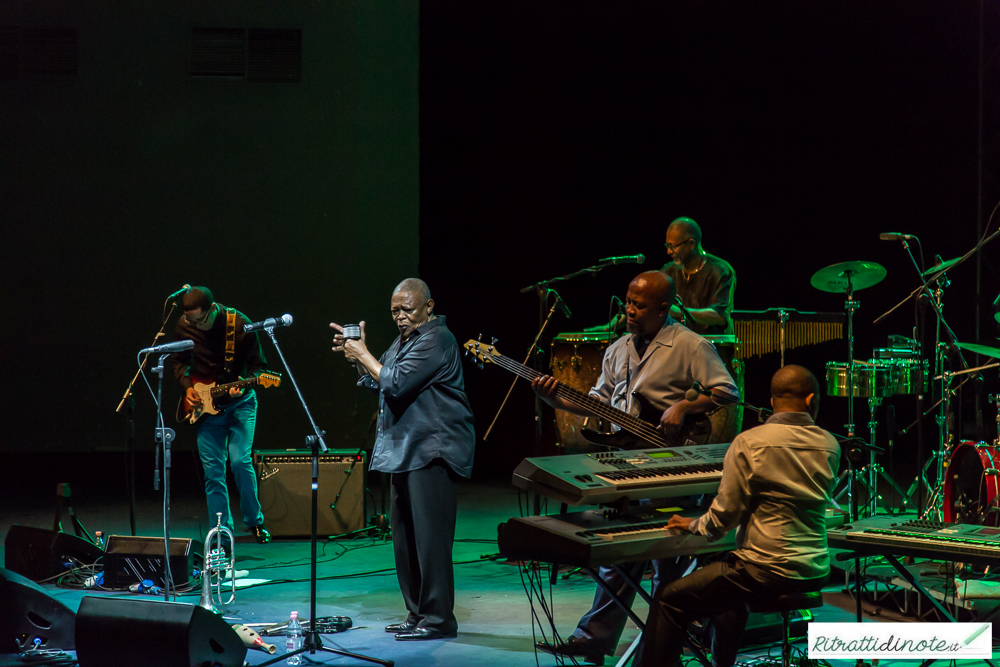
[271,55]
[38,53]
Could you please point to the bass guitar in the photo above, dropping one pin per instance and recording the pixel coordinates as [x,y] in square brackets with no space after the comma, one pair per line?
[209,392]
[638,431]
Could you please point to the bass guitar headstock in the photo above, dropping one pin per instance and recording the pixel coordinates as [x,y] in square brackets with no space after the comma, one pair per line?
[482,353]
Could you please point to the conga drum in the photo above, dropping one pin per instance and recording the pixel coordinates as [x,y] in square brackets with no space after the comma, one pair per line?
[576,362]
[727,422]
[971,484]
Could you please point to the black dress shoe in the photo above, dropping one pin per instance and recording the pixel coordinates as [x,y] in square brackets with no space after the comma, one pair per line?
[261,534]
[406,626]
[574,647]
[418,634]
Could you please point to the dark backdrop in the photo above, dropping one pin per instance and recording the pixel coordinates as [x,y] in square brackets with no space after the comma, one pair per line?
[133,177]
[555,134]
[550,135]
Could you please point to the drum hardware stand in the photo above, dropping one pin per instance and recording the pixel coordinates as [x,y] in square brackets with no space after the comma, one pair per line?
[782,322]
[873,469]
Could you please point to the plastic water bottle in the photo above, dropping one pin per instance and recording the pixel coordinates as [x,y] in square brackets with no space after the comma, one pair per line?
[293,639]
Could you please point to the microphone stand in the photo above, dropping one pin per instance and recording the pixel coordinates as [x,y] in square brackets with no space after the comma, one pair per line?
[542,289]
[129,400]
[940,279]
[312,641]
[164,436]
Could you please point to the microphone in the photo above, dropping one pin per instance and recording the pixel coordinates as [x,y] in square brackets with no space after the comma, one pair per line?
[695,391]
[626,259]
[271,322]
[896,236]
[179,292]
[561,305]
[176,346]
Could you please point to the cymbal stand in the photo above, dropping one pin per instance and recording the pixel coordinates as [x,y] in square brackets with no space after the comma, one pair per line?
[850,306]
[875,470]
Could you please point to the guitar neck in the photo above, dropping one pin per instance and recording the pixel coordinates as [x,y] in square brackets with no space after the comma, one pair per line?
[629,422]
[218,390]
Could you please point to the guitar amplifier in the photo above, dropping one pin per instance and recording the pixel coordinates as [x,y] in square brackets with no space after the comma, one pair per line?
[284,485]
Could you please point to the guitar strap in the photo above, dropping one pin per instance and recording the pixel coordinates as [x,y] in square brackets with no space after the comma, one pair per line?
[230,342]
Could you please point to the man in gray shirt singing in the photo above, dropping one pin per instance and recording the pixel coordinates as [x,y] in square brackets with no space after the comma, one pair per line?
[776,483]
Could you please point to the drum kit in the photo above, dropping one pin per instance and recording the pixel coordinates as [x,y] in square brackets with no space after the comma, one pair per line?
[967,486]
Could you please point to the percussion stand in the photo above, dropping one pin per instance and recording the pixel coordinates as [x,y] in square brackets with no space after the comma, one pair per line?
[875,470]
[850,306]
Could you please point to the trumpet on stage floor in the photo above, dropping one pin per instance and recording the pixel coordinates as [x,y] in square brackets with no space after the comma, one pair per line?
[214,567]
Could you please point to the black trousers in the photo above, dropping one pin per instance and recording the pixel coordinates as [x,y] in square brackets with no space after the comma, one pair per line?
[424,506]
[720,591]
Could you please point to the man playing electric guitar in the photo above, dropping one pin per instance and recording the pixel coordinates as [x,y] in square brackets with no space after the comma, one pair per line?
[222,353]
[661,360]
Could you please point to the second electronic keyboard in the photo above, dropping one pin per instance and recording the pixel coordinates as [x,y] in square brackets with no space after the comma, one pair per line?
[605,537]
[601,537]
[606,477]
[919,538]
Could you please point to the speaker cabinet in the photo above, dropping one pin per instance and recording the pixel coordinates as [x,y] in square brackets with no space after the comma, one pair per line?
[285,491]
[38,553]
[120,632]
[128,560]
[28,613]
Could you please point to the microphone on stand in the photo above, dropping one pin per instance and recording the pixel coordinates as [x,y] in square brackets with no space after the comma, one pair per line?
[561,305]
[176,346]
[179,292]
[695,391]
[896,236]
[271,322]
[626,259]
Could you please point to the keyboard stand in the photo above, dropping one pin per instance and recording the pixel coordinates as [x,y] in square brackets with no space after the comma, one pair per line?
[910,579]
[695,649]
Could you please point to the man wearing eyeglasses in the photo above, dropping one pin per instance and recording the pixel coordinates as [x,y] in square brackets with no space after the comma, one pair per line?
[229,434]
[705,283]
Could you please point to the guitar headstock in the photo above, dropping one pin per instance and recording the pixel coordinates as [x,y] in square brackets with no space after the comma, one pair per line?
[269,379]
[483,353]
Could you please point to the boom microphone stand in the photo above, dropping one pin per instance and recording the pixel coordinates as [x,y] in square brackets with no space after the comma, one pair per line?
[129,401]
[313,642]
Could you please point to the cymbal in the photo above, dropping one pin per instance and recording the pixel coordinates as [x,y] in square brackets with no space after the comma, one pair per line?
[835,278]
[940,267]
[984,350]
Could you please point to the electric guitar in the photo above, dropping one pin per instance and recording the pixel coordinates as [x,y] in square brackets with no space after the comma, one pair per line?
[638,431]
[209,392]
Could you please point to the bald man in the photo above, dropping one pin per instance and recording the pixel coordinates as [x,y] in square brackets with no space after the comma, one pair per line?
[425,442]
[776,484]
[660,359]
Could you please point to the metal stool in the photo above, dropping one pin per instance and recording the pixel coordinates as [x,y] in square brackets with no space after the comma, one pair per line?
[785,605]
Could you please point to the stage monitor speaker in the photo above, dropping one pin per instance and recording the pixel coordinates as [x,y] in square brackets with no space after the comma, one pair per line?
[128,560]
[39,554]
[121,632]
[285,489]
[28,613]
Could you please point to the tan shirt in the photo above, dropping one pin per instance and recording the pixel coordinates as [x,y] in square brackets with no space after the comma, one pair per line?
[673,362]
[776,484]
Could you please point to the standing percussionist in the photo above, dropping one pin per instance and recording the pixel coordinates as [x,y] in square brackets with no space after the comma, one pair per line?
[776,483]
[661,360]
[425,441]
[705,283]
[229,435]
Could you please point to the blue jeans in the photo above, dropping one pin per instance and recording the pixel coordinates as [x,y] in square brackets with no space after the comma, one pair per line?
[230,436]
